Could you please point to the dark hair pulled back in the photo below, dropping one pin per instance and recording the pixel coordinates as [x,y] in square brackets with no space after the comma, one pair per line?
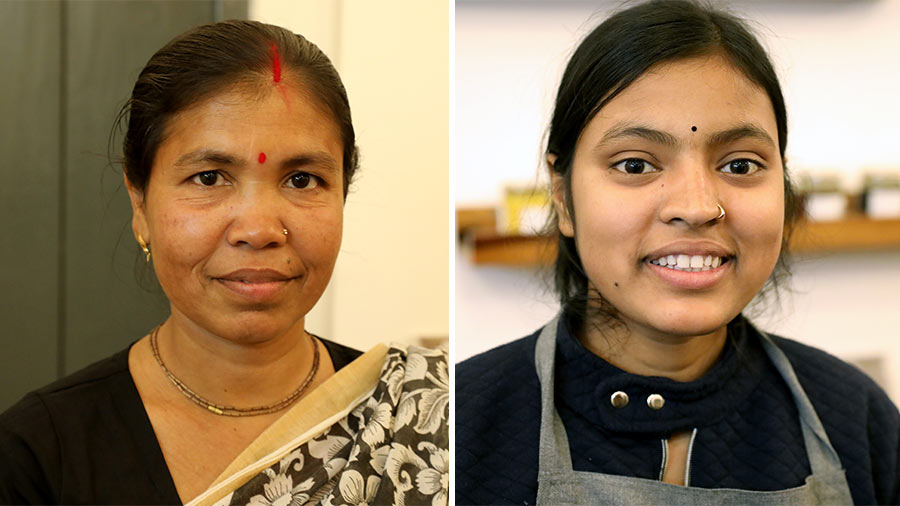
[212,59]
[611,58]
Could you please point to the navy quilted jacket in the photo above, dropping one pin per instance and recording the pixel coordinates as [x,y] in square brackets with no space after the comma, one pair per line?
[748,432]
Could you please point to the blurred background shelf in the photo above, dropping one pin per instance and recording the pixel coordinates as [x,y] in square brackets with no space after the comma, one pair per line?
[477,229]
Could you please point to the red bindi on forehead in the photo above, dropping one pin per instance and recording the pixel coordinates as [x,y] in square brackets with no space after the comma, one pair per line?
[276,63]
[262,158]
[276,73]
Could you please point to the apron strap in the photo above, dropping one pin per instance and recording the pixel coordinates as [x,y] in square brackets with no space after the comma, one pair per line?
[554,444]
[823,459]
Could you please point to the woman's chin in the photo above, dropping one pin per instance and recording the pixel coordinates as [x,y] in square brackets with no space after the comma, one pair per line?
[252,328]
[687,323]
[261,332]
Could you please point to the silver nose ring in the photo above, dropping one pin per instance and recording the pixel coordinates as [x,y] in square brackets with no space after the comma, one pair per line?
[719,217]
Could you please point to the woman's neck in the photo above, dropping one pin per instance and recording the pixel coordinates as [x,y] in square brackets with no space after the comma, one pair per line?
[639,350]
[237,374]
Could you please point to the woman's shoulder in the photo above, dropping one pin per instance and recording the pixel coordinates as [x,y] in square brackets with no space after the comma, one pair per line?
[832,379]
[501,366]
[498,411]
[841,391]
[37,431]
[417,381]
[860,419]
[418,363]
[498,377]
[70,390]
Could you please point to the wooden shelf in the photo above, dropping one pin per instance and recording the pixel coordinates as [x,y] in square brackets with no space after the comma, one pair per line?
[511,250]
[854,233]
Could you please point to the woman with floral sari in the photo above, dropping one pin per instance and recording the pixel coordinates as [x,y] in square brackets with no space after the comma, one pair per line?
[238,154]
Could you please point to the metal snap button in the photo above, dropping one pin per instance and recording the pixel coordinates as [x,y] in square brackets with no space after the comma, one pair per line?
[655,401]
[618,399]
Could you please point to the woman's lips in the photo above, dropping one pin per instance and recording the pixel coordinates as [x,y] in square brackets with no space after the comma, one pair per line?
[255,290]
[255,284]
[699,280]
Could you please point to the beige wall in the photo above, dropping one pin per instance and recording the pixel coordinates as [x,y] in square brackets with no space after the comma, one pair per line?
[391,282]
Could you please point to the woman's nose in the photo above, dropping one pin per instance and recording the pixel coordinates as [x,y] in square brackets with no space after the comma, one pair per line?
[691,197]
[257,222]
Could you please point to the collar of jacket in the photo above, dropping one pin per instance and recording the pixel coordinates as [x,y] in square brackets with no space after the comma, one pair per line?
[584,383]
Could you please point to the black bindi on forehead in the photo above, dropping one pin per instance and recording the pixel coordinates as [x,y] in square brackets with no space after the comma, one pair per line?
[693,129]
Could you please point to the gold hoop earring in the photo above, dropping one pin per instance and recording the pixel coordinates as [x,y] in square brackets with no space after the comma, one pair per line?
[144,246]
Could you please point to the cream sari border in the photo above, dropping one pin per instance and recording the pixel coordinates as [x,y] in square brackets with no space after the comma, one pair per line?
[320,409]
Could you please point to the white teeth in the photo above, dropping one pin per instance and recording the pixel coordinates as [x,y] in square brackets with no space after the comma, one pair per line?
[689,263]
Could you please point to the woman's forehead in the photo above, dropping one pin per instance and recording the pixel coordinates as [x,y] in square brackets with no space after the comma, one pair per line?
[235,121]
[689,96]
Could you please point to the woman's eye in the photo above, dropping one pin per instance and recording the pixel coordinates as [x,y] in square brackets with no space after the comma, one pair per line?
[742,167]
[303,181]
[207,178]
[635,166]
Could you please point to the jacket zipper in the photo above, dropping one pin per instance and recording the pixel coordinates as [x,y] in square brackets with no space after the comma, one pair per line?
[687,465]
[665,459]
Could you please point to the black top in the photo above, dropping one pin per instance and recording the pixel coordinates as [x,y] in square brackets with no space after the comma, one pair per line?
[748,432]
[86,439]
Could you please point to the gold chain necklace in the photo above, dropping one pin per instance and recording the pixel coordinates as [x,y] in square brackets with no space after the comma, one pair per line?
[231,410]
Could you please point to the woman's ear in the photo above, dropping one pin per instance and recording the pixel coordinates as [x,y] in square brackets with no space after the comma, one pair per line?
[138,217]
[558,193]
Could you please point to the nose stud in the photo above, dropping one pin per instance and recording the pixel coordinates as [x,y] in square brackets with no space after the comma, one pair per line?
[284,231]
[719,217]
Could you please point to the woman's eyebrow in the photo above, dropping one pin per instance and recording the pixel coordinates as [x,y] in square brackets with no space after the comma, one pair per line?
[207,156]
[743,131]
[317,158]
[216,157]
[626,130]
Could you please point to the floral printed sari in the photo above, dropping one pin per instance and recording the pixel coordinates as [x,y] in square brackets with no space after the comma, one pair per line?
[374,433]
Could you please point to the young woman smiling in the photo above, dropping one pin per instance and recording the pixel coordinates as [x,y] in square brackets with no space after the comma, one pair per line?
[672,206]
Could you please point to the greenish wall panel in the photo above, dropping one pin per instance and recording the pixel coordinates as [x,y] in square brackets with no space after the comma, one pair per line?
[29,189]
[73,288]
[235,9]
[106,307]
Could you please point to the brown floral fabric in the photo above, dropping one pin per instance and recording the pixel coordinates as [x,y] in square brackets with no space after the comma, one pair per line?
[392,448]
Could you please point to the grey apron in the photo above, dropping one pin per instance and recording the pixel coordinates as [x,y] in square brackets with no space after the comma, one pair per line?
[559,484]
